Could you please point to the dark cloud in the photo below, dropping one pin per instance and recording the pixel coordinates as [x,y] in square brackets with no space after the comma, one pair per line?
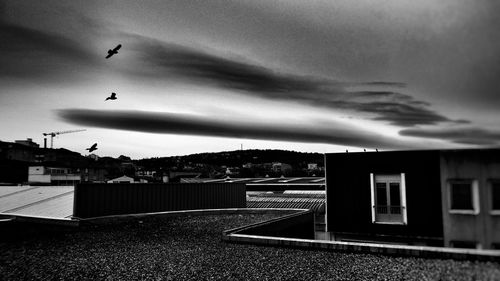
[463,135]
[169,123]
[173,61]
[384,84]
[34,54]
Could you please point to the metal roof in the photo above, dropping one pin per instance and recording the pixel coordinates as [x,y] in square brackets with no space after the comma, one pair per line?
[261,181]
[315,204]
[46,201]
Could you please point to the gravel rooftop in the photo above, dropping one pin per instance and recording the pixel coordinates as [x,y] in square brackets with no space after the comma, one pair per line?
[190,248]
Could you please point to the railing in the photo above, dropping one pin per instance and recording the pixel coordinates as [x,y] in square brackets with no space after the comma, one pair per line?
[387,209]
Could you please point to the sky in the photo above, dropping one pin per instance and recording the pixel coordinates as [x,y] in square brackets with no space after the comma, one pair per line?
[209,76]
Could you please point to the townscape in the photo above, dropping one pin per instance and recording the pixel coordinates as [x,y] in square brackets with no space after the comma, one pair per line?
[249,140]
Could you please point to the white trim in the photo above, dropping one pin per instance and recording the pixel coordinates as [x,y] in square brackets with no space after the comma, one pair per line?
[390,222]
[402,192]
[475,199]
[495,212]
[403,198]
[326,194]
[372,193]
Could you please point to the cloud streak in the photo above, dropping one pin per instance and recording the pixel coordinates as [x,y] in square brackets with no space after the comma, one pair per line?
[171,61]
[461,135]
[34,54]
[170,123]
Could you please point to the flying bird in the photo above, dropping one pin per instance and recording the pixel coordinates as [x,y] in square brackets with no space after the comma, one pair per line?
[114,51]
[112,97]
[92,148]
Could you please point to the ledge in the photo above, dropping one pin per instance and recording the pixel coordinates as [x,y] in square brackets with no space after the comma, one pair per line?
[202,212]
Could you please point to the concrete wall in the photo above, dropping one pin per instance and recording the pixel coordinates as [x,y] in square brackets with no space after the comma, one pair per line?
[94,200]
[484,226]
[36,170]
[299,226]
[39,178]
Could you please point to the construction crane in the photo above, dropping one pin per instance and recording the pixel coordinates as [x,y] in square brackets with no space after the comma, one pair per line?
[53,134]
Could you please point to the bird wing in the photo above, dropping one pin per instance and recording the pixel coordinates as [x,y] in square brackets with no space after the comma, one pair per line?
[117,47]
[113,95]
[110,53]
[93,146]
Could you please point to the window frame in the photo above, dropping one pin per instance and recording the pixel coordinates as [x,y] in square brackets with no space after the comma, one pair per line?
[494,212]
[402,192]
[474,185]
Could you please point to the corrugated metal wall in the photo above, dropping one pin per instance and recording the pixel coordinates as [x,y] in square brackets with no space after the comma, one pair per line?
[93,200]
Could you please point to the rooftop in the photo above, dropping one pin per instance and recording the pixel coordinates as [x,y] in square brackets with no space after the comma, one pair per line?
[39,201]
[190,248]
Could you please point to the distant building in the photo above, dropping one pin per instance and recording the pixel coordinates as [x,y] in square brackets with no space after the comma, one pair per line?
[312,166]
[52,176]
[278,167]
[434,197]
[93,157]
[28,142]
[17,152]
[126,179]
[122,179]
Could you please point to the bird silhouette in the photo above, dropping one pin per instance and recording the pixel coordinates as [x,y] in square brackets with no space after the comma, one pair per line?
[112,97]
[92,148]
[114,51]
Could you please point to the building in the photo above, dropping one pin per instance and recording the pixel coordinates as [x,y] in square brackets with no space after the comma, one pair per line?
[122,179]
[125,179]
[312,166]
[93,156]
[52,176]
[431,197]
[278,167]
[28,142]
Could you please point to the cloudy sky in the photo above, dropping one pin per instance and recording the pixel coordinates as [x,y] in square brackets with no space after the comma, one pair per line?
[201,76]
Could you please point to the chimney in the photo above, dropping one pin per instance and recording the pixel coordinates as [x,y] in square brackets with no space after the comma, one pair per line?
[44,142]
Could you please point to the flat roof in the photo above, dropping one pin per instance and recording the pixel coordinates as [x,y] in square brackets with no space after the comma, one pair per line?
[37,201]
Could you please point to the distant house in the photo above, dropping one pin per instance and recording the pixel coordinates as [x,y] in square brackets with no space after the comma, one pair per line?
[93,157]
[52,175]
[312,166]
[28,142]
[434,197]
[278,167]
[125,179]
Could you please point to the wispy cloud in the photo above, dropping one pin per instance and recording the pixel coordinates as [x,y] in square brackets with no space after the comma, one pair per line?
[461,135]
[35,54]
[172,61]
[170,123]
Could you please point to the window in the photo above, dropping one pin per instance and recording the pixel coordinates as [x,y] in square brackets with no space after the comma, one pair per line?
[463,196]
[495,197]
[388,198]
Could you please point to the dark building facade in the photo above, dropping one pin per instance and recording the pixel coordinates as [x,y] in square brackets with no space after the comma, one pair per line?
[432,197]
[384,196]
